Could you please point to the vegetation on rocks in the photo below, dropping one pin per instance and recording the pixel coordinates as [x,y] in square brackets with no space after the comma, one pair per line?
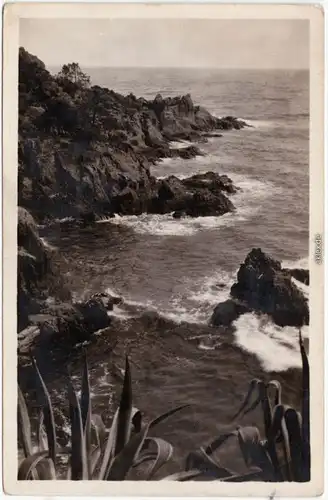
[73,73]
[87,149]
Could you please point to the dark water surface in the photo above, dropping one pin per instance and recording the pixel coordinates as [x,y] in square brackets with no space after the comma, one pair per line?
[183,268]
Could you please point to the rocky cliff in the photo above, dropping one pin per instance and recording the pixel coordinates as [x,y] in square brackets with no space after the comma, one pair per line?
[86,152]
[37,275]
[46,314]
[89,150]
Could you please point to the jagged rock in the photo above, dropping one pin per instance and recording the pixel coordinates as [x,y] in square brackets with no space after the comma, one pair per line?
[127,202]
[263,286]
[187,152]
[211,181]
[206,203]
[94,314]
[88,218]
[108,300]
[37,277]
[227,312]
[76,164]
[190,197]
[67,324]
[301,275]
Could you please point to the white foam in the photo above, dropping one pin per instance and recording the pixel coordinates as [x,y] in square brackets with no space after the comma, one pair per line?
[113,293]
[163,225]
[260,123]
[209,293]
[205,347]
[102,381]
[246,202]
[119,313]
[182,314]
[276,347]
[47,244]
[65,219]
[180,144]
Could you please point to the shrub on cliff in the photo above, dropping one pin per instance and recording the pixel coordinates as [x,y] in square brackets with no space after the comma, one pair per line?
[73,73]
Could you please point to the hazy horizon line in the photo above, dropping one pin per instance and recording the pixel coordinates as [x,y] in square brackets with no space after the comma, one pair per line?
[52,67]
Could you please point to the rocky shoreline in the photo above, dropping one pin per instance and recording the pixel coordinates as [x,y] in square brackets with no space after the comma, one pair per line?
[85,154]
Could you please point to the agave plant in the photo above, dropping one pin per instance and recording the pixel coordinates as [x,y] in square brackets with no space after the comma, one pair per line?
[93,453]
[283,454]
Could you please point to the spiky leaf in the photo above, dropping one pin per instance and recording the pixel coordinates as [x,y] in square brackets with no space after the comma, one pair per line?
[49,421]
[29,465]
[86,411]
[125,411]
[166,415]
[78,459]
[163,454]
[24,424]
[123,462]
[305,411]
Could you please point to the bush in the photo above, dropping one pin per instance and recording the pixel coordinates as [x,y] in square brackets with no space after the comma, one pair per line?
[73,73]
[94,454]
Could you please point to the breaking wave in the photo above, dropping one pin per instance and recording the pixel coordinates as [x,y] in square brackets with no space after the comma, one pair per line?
[276,347]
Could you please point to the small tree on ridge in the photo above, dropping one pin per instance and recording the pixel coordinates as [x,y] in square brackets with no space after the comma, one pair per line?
[73,73]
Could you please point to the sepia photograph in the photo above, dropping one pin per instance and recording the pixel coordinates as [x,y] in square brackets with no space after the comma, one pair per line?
[164,250]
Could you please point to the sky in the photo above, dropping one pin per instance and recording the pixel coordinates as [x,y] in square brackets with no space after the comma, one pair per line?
[211,43]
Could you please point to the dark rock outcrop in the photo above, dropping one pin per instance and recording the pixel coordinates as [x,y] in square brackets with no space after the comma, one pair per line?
[227,312]
[187,152]
[89,150]
[45,310]
[301,275]
[37,274]
[211,181]
[200,198]
[264,287]
[65,324]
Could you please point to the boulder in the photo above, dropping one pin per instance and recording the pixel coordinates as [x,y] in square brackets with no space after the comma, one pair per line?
[301,275]
[171,195]
[178,214]
[108,300]
[226,312]
[127,202]
[263,286]
[94,314]
[60,325]
[66,324]
[88,218]
[211,181]
[190,197]
[204,203]
[187,152]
